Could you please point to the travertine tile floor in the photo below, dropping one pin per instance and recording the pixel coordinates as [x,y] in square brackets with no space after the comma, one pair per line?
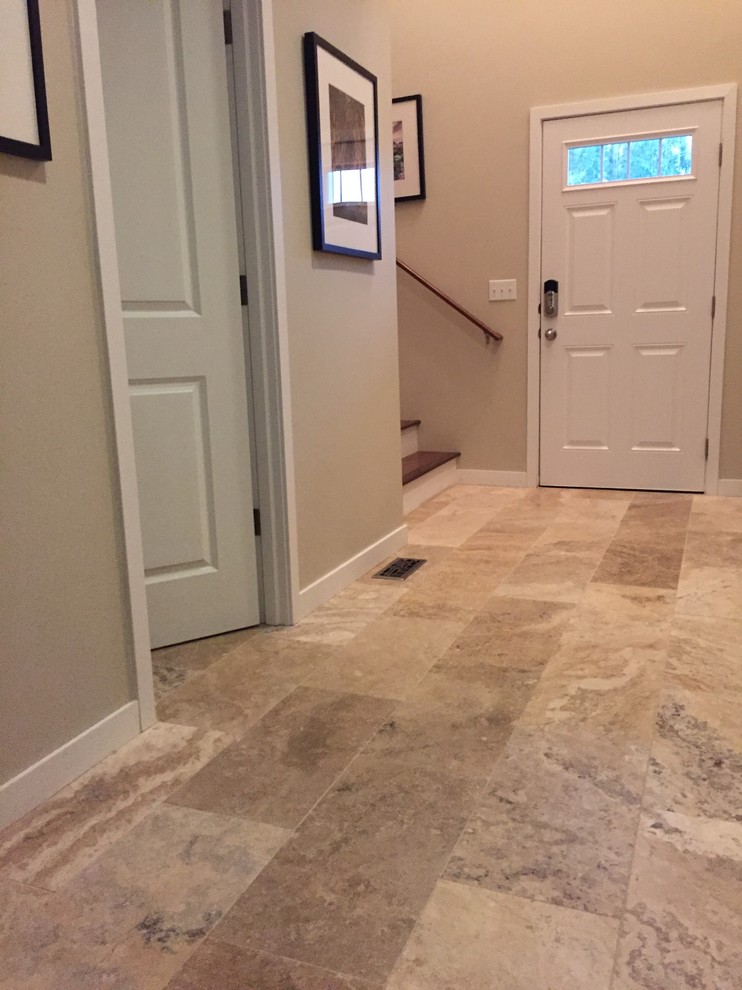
[519,770]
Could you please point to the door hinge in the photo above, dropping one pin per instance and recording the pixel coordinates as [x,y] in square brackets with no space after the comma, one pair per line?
[243,290]
[706,449]
[721,154]
[713,307]
[227,27]
[256,521]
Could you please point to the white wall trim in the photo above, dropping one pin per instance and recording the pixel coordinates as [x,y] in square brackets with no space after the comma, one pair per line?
[730,486]
[721,288]
[260,178]
[533,364]
[727,93]
[497,479]
[108,273]
[340,577]
[38,782]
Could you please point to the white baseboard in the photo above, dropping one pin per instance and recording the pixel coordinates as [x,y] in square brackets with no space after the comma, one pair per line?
[433,483]
[330,584]
[730,486]
[498,479]
[38,782]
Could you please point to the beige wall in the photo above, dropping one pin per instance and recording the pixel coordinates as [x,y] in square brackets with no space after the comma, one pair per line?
[63,654]
[481,66]
[342,315]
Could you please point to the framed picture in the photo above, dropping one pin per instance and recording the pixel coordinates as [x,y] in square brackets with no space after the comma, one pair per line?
[342,130]
[407,134]
[24,122]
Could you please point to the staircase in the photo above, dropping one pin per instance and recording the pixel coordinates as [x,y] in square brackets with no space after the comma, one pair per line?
[424,472]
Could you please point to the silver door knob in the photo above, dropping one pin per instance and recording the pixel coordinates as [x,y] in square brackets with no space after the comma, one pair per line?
[550,334]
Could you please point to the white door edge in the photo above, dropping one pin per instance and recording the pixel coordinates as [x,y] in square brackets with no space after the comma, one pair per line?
[257,124]
[108,274]
[275,452]
[727,93]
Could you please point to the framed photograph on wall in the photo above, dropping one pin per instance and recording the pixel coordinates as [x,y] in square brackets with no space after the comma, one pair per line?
[407,135]
[343,138]
[24,121]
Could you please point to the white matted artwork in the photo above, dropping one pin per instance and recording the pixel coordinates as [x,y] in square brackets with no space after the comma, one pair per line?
[407,137]
[24,123]
[343,144]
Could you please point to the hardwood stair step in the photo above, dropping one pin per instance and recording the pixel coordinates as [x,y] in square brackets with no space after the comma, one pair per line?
[407,424]
[422,461]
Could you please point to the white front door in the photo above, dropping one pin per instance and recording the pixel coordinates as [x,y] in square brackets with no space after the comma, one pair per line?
[630,205]
[167,118]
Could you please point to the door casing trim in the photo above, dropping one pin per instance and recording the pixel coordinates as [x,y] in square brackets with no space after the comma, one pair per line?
[260,181]
[727,93]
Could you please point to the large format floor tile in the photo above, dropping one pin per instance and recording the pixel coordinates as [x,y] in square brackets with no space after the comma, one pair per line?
[134,915]
[483,940]
[682,923]
[557,823]
[284,764]
[510,633]
[554,572]
[711,576]
[520,768]
[456,720]
[345,893]
[51,844]
[388,659]
[220,966]
[173,665]
[348,613]
[236,690]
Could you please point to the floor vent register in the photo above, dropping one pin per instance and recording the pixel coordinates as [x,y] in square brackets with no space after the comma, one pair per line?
[400,569]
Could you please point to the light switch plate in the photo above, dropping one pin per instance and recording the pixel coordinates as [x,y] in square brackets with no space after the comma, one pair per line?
[503,288]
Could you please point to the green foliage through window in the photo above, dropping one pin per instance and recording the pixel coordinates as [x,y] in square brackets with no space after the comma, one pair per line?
[620,161]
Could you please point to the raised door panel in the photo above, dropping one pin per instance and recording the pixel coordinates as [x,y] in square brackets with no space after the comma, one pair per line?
[587,404]
[150,162]
[661,258]
[171,440]
[657,377]
[589,277]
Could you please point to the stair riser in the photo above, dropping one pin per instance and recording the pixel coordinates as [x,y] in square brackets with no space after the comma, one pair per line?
[430,484]
[410,441]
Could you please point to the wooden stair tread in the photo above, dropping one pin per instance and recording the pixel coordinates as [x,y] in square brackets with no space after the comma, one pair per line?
[407,424]
[417,464]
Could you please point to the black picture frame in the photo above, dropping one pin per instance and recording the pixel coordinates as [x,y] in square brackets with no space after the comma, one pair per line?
[16,127]
[409,152]
[343,147]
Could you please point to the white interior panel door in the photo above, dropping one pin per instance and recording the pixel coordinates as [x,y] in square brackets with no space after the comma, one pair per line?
[630,206]
[165,86]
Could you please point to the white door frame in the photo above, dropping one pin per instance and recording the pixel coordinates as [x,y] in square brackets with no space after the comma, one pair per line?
[260,180]
[727,93]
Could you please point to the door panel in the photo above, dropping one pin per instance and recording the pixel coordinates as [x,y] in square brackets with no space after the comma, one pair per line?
[657,413]
[660,268]
[587,419]
[624,384]
[177,506]
[165,87]
[590,263]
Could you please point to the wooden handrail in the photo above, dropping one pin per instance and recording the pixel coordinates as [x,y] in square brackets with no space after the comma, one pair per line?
[487,331]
